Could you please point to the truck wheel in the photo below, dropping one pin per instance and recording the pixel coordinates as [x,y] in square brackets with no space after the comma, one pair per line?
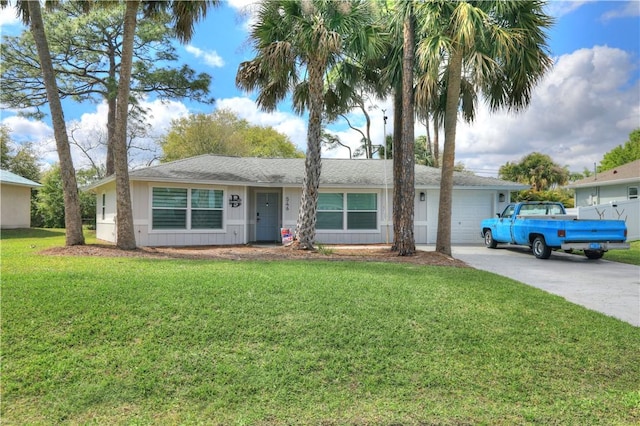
[488,239]
[593,254]
[540,248]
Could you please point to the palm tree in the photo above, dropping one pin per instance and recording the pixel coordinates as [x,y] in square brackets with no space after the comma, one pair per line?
[499,47]
[185,14]
[296,44]
[32,15]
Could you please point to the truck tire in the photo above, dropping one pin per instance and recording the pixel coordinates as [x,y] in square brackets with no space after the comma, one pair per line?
[593,254]
[540,248]
[488,239]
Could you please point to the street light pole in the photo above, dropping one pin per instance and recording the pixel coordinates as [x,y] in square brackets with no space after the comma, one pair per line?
[386,185]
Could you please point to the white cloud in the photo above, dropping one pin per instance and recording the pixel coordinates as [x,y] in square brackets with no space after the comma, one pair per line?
[90,131]
[210,57]
[630,9]
[8,16]
[586,105]
[247,11]
[561,8]
[38,133]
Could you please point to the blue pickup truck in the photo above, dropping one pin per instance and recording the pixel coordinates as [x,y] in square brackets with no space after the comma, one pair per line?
[545,226]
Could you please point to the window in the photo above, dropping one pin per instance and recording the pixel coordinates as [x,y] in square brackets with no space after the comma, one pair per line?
[104,205]
[633,192]
[362,211]
[179,208]
[169,208]
[508,211]
[359,213]
[330,211]
[206,209]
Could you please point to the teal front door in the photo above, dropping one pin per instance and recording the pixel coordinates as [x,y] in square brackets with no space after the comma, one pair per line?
[267,216]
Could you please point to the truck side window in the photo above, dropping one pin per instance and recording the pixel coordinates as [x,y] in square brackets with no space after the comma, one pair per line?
[554,210]
[508,212]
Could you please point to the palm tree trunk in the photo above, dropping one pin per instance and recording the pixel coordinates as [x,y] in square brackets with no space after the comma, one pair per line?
[397,149]
[306,226]
[72,212]
[126,238]
[406,243]
[454,71]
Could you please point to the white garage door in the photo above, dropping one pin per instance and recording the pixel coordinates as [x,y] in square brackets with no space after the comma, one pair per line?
[468,210]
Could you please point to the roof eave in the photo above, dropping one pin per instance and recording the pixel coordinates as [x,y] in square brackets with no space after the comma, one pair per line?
[604,183]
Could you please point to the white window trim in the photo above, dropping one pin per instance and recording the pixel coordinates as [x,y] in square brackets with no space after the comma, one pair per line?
[629,197]
[188,229]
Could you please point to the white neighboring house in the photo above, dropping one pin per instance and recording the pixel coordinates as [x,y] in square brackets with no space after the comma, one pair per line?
[217,200]
[612,194]
[15,200]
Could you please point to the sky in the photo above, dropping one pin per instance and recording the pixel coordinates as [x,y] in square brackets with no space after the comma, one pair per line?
[586,105]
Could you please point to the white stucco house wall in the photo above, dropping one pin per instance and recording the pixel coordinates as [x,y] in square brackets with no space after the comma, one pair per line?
[218,200]
[613,194]
[15,200]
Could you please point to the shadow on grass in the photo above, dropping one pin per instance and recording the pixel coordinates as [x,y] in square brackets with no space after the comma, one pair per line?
[9,234]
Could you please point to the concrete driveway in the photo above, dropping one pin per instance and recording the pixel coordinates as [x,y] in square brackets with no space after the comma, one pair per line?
[608,287]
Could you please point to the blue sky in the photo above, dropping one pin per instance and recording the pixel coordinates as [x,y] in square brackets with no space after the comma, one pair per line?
[585,106]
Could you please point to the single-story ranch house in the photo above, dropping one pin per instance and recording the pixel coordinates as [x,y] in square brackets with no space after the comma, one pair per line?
[217,200]
[15,200]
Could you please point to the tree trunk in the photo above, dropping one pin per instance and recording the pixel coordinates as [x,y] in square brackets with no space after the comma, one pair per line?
[406,243]
[72,212]
[436,142]
[454,71]
[306,226]
[397,166]
[112,92]
[126,238]
[429,146]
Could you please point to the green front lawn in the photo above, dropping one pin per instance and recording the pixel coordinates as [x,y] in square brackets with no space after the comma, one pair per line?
[631,256]
[141,341]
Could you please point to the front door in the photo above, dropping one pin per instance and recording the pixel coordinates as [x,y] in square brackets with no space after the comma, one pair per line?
[267,216]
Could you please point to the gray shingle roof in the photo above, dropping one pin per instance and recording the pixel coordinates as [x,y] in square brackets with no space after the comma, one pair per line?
[11,178]
[290,172]
[625,173]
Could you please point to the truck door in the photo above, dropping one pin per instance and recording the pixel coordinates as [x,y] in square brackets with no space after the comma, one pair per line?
[503,228]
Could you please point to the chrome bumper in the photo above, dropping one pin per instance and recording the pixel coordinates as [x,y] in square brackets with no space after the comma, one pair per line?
[604,246]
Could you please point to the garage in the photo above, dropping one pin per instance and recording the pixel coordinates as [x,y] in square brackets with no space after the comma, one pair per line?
[468,208]
[467,211]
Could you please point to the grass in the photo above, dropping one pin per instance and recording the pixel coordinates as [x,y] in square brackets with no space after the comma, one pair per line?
[135,341]
[631,256]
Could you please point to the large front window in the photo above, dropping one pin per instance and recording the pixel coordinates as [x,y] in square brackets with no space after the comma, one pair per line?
[181,208]
[359,211]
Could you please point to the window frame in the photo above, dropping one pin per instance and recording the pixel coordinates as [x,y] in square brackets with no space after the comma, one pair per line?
[345,211]
[629,195]
[103,207]
[189,209]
